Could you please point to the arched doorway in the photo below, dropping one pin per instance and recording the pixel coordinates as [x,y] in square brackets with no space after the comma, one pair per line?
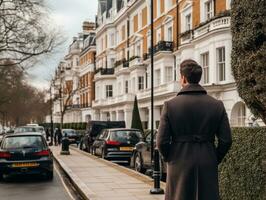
[238,114]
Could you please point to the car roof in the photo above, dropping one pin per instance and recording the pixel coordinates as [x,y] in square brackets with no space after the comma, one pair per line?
[122,129]
[25,134]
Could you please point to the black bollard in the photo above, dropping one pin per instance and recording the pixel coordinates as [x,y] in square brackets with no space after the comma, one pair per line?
[156,174]
[65,146]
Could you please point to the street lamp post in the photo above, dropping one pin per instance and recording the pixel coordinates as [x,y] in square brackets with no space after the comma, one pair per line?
[154,157]
[51,115]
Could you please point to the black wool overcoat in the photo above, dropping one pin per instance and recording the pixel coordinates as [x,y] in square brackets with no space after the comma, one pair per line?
[188,126]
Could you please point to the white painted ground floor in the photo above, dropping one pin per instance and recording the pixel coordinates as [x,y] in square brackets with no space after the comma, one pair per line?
[238,113]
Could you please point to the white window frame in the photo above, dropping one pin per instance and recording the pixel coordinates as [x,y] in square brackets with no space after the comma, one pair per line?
[170,35]
[158,34]
[168,5]
[133,83]
[221,67]
[109,91]
[140,83]
[205,62]
[112,62]
[158,14]
[209,14]
[186,11]
[112,39]
[228,4]
[140,20]
[158,77]
[188,25]
[169,74]
[126,86]
[148,40]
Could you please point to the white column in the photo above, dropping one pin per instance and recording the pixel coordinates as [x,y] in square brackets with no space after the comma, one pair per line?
[156,115]
[113,116]
[149,120]
[128,118]
[142,114]
[120,115]
[103,116]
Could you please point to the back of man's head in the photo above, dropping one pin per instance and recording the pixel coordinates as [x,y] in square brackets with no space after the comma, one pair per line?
[191,70]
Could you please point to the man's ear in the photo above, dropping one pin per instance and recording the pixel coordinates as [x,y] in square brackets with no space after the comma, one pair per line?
[185,80]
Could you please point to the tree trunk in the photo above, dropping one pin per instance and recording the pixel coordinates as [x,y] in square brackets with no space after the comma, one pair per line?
[62,120]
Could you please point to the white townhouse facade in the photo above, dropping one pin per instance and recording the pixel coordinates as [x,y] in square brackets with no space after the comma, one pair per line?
[183,29]
[73,78]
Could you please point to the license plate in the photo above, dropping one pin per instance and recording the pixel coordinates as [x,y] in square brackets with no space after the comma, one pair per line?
[126,148]
[25,165]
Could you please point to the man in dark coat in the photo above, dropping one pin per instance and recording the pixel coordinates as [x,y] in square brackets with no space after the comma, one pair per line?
[189,123]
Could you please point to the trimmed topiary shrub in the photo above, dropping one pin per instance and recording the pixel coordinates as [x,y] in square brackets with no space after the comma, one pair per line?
[242,176]
[83,127]
[249,53]
[136,121]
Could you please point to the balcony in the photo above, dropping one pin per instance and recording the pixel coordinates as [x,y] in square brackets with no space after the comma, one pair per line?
[135,61]
[73,106]
[121,99]
[215,24]
[103,73]
[159,47]
[121,66]
[167,88]
[162,46]
[186,36]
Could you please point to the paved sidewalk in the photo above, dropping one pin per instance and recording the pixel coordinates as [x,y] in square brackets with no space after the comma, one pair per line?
[99,179]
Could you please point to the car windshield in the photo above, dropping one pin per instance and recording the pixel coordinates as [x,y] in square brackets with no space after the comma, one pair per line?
[126,135]
[25,129]
[69,132]
[18,142]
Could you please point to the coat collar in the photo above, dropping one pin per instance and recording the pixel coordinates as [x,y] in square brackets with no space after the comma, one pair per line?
[192,88]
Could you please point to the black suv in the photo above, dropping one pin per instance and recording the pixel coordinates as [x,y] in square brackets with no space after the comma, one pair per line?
[25,153]
[141,158]
[94,128]
[117,144]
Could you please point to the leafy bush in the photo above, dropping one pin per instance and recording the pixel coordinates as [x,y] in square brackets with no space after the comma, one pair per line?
[249,53]
[242,176]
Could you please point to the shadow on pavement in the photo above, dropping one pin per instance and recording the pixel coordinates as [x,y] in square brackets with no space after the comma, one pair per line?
[24,179]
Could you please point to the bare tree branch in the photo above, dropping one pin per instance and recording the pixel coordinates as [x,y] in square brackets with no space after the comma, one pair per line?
[25,32]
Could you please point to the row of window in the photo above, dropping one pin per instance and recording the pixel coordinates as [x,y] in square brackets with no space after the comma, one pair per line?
[142,82]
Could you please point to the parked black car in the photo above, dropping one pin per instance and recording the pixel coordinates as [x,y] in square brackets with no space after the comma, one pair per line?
[25,129]
[141,158]
[117,144]
[73,135]
[25,153]
[94,128]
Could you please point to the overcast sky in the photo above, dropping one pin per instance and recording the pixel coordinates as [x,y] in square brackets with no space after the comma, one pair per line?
[69,16]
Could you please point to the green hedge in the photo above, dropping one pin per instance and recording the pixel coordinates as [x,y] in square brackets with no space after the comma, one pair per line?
[76,126]
[241,173]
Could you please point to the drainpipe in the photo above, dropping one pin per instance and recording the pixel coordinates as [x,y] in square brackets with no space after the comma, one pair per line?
[128,34]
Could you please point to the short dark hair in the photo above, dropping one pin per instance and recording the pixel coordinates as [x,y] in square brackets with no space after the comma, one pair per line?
[191,70]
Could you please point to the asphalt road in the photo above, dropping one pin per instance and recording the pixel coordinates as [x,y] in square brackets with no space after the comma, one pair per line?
[34,188]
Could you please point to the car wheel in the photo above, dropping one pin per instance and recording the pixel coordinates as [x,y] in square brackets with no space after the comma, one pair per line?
[138,163]
[1,177]
[50,175]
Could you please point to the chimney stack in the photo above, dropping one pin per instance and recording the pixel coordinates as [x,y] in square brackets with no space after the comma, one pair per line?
[88,26]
